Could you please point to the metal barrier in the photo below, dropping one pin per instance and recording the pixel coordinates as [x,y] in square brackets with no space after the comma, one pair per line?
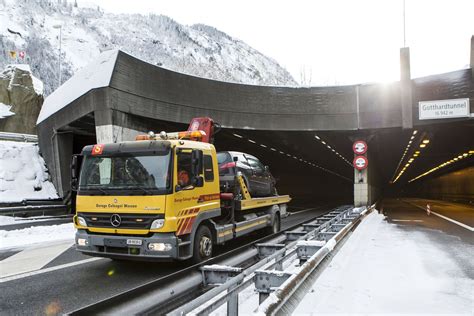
[27,138]
[267,275]
[166,293]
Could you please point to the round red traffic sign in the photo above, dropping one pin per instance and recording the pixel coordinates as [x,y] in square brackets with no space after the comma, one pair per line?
[360,162]
[359,147]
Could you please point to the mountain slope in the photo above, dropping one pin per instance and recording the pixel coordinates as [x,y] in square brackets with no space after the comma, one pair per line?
[199,50]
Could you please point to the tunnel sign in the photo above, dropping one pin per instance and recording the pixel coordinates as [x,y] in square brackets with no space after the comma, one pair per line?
[360,162]
[359,147]
[441,109]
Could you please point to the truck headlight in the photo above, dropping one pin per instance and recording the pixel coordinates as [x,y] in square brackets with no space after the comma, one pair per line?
[81,221]
[157,223]
[159,246]
[82,242]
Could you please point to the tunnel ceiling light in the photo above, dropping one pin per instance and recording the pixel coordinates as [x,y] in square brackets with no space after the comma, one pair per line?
[444,164]
[405,152]
[297,158]
[333,150]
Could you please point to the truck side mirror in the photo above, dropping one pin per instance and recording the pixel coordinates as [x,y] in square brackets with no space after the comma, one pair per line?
[197,162]
[236,159]
[75,165]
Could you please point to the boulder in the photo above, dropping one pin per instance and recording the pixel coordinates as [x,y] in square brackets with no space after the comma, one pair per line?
[23,93]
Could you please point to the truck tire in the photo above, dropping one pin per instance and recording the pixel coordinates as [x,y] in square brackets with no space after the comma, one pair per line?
[202,248]
[276,225]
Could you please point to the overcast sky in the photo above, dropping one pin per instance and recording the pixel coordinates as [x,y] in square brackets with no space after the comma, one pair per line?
[335,41]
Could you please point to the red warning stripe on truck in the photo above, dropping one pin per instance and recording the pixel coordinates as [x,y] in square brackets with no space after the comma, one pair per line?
[185,224]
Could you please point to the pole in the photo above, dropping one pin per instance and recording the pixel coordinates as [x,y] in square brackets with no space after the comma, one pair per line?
[404,31]
[59,59]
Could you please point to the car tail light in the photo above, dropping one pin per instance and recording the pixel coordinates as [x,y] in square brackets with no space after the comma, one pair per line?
[227,165]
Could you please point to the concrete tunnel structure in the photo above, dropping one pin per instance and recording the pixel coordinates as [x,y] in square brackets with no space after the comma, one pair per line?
[304,134]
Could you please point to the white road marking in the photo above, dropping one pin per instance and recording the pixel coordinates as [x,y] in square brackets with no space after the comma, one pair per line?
[62,266]
[32,258]
[301,211]
[407,220]
[444,217]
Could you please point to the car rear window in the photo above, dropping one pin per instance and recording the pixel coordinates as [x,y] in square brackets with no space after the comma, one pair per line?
[223,157]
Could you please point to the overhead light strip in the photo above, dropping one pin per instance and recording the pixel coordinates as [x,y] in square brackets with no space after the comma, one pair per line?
[333,150]
[445,164]
[300,159]
[395,177]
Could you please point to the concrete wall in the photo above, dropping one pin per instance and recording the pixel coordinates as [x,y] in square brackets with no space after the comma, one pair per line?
[455,186]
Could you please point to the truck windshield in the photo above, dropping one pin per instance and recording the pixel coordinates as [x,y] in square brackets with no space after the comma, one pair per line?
[145,173]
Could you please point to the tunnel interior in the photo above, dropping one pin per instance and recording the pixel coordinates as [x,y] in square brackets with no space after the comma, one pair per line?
[317,165]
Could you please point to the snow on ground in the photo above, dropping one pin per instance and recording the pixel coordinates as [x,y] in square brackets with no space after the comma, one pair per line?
[22,238]
[383,269]
[23,173]
[5,110]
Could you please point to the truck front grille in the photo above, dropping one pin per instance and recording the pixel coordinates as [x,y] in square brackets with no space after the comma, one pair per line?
[127,221]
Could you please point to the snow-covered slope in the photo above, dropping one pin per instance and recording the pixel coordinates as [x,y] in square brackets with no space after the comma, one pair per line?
[200,50]
[23,173]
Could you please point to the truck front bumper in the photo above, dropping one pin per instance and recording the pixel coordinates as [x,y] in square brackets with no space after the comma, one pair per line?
[130,247]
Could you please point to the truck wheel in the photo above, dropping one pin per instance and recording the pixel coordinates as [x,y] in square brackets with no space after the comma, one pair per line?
[275,228]
[202,244]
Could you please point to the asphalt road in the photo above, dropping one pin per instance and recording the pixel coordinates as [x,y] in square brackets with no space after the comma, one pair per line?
[69,288]
[456,239]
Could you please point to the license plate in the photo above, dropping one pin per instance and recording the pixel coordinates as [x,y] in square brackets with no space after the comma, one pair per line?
[134,242]
[115,243]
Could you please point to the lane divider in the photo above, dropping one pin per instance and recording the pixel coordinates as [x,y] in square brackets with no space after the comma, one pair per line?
[443,217]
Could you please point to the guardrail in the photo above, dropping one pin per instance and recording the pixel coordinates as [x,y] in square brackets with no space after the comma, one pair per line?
[27,138]
[274,286]
[30,210]
[163,295]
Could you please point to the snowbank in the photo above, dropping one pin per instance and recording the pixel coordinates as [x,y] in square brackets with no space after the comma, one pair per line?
[23,173]
[34,235]
[383,268]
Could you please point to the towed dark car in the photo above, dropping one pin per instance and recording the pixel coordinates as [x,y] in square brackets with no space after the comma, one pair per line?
[257,177]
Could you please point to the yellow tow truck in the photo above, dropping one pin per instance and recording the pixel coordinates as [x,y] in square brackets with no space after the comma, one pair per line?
[158,198]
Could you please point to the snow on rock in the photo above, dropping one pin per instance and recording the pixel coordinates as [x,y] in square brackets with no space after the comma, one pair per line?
[23,173]
[21,94]
[21,238]
[9,74]
[5,110]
